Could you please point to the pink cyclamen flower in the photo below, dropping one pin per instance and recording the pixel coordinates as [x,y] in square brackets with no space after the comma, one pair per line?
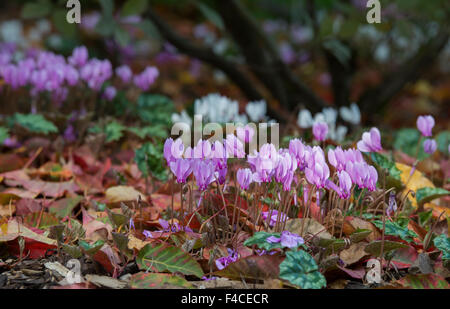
[263,163]
[173,150]
[146,78]
[202,150]
[181,168]
[244,178]
[79,56]
[371,141]
[300,151]
[125,74]
[429,146]
[337,158]
[110,93]
[317,171]
[345,184]
[204,172]
[245,134]
[425,125]
[320,131]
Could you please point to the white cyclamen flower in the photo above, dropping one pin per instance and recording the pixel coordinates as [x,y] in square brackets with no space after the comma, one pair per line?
[256,110]
[304,119]
[351,114]
[183,117]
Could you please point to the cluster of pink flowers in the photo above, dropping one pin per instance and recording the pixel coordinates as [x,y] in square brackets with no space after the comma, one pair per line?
[208,163]
[44,71]
[425,125]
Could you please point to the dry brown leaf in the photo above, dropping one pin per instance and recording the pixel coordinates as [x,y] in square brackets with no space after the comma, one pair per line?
[353,254]
[123,194]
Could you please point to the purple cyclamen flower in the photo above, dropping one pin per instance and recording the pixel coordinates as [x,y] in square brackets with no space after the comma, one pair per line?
[337,158]
[223,262]
[146,78]
[320,131]
[245,134]
[132,224]
[173,149]
[147,234]
[234,147]
[204,172]
[181,168]
[110,93]
[273,217]
[371,141]
[429,146]
[202,150]
[317,171]
[125,74]
[392,204]
[244,178]
[263,163]
[79,56]
[300,151]
[425,125]
[362,174]
[287,239]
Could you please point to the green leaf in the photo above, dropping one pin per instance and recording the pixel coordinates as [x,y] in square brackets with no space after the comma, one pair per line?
[300,269]
[158,281]
[73,251]
[406,140]
[150,159]
[157,131]
[121,36]
[147,26]
[162,257]
[114,131]
[37,9]
[260,240]
[443,243]
[383,163]
[121,241]
[374,248]
[64,207]
[4,134]
[443,140]
[155,109]
[91,249]
[359,235]
[395,229]
[211,15]
[427,194]
[425,217]
[134,7]
[35,123]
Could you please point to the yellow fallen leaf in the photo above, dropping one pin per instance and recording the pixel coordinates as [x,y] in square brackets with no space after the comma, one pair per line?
[123,194]
[413,183]
[136,243]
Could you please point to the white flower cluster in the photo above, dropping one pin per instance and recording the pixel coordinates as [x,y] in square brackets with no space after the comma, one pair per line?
[12,31]
[217,108]
[329,115]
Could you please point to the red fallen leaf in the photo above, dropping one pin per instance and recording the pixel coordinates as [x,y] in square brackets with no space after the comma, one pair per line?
[420,231]
[314,212]
[26,206]
[357,273]
[76,286]
[33,249]
[107,258]
[20,193]
[10,162]
[253,267]
[404,257]
[47,188]
[84,157]
[423,281]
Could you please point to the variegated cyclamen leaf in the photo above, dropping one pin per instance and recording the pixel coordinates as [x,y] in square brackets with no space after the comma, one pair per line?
[161,257]
[300,269]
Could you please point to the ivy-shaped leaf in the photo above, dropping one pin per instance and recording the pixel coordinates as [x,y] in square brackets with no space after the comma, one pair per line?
[260,240]
[162,257]
[443,243]
[91,249]
[427,194]
[150,159]
[35,123]
[300,269]
[395,229]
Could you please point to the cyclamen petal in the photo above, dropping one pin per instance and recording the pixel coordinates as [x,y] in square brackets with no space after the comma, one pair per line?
[425,125]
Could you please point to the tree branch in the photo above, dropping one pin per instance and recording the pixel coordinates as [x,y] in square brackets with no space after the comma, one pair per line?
[378,97]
